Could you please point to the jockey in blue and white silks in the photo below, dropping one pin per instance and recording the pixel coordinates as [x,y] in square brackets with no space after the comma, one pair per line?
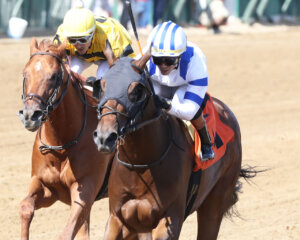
[180,77]
[188,83]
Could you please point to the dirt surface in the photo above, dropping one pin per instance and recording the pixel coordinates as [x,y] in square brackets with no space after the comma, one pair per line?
[256,73]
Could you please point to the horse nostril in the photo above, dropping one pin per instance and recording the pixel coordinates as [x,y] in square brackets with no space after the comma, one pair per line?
[95,134]
[111,140]
[37,115]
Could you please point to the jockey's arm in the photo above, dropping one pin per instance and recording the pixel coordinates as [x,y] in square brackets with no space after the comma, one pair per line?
[189,97]
[187,101]
[119,39]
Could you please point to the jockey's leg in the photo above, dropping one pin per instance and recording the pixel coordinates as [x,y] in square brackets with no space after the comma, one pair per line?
[101,70]
[206,145]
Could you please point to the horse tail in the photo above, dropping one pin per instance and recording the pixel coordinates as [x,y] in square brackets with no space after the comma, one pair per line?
[247,173]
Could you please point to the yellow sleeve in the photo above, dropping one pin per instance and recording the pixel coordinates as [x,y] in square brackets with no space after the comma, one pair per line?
[117,36]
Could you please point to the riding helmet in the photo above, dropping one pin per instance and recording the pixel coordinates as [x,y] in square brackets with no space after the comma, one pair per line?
[79,22]
[167,40]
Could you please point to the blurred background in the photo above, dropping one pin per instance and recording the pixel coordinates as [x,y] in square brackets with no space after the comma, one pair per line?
[42,17]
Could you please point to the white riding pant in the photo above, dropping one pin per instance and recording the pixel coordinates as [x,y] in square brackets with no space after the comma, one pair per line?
[78,65]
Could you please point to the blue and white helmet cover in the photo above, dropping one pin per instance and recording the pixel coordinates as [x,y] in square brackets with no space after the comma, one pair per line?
[168,40]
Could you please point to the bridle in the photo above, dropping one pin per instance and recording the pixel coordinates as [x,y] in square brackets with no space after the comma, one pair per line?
[132,122]
[50,104]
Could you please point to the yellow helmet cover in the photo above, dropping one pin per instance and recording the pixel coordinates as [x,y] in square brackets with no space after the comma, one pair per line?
[78,22]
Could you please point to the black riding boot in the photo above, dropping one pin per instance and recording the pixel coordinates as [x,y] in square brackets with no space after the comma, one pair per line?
[90,81]
[206,146]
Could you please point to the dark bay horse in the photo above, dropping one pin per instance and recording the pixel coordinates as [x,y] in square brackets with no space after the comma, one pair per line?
[150,175]
[66,165]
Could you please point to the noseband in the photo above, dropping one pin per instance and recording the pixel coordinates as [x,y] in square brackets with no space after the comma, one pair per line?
[48,105]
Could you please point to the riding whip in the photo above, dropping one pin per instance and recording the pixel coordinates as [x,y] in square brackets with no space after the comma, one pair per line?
[128,4]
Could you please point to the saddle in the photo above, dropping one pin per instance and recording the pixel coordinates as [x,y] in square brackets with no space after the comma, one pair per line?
[220,134]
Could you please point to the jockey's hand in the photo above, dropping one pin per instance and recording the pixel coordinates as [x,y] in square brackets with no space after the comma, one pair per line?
[162,102]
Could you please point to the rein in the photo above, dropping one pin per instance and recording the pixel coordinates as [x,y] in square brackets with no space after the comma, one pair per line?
[137,126]
[44,147]
[140,166]
[50,106]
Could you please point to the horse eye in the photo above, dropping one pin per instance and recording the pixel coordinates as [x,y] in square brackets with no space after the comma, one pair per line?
[54,77]
[137,94]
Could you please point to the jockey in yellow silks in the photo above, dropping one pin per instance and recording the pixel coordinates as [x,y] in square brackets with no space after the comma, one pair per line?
[86,37]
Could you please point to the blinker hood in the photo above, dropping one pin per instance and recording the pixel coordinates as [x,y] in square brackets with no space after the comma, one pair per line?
[118,80]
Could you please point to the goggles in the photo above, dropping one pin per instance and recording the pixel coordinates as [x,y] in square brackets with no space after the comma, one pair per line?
[167,60]
[81,40]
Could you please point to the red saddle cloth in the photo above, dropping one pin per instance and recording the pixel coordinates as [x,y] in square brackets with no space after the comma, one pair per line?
[220,135]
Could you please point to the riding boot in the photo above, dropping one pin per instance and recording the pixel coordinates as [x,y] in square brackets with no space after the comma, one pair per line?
[206,145]
[90,81]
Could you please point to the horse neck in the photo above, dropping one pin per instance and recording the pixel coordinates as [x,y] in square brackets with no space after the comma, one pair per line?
[66,120]
[147,144]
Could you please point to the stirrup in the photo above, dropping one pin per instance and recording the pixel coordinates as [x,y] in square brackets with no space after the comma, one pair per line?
[207,153]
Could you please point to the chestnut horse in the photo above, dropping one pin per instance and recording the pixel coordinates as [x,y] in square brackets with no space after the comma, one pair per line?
[66,165]
[149,179]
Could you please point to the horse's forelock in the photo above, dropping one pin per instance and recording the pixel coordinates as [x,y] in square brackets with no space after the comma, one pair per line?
[48,46]
[45,45]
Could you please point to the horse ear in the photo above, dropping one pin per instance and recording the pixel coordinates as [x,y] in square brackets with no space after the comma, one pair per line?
[141,63]
[109,54]
[33,46]
[62,49]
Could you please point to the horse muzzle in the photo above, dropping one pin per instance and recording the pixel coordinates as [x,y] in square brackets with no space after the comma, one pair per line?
[105,142]
[31,119]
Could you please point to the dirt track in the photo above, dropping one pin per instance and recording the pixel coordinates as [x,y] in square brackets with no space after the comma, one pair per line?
[256,74]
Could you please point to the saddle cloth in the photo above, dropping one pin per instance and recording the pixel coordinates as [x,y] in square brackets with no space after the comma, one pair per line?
[220,134]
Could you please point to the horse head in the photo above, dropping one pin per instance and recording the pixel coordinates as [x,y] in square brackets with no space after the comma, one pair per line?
[43,79]
[124,92]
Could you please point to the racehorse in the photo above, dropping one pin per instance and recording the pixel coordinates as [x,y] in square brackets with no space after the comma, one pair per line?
[148,187]
[66,165]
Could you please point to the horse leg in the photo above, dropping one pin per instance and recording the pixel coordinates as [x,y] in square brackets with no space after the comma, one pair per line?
[83,194]
[168,228]
[38,196]
[84,230]
[113,229]
[219,200]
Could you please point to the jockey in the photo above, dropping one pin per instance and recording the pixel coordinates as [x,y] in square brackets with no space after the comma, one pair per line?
[179,74]
[86,37]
